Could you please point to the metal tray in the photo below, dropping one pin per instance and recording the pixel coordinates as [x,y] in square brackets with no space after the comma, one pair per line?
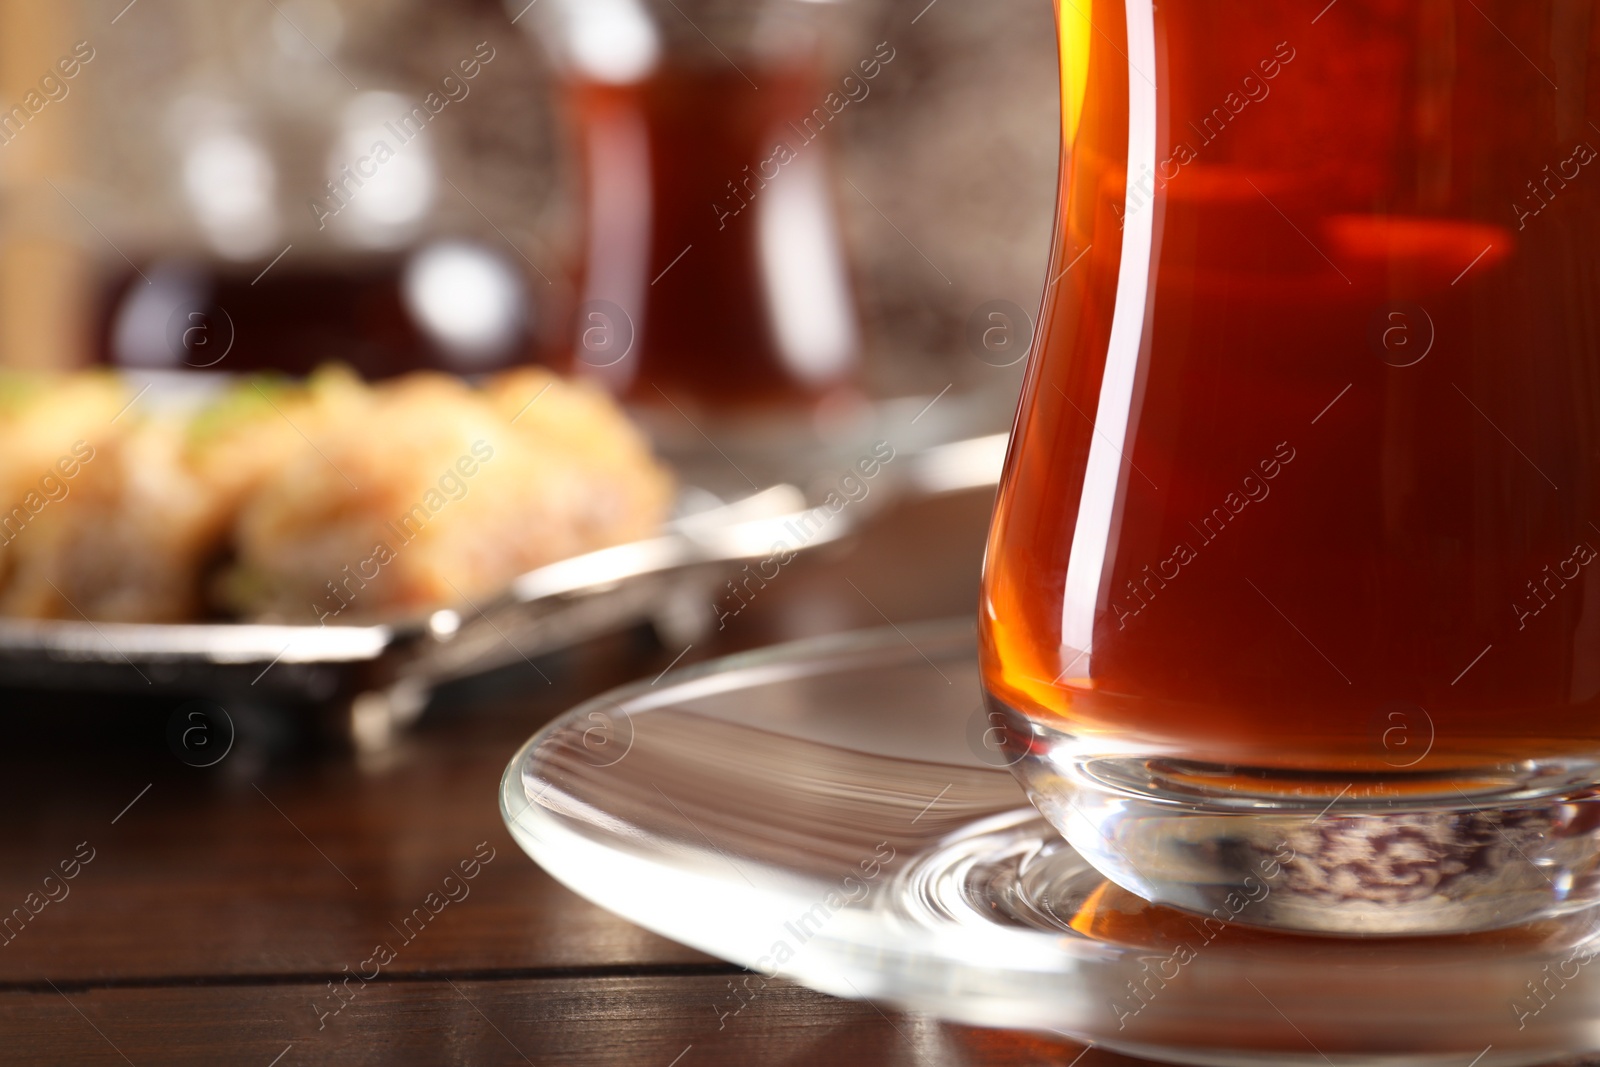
[370,681]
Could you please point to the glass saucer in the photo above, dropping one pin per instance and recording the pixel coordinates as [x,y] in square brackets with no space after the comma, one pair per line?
[836,812]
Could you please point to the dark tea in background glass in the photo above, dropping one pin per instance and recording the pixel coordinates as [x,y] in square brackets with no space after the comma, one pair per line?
[454,306]
[1294,566]
[712,271]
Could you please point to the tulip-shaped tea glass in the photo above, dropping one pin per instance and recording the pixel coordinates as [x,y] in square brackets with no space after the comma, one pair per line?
[714,271]
[1292,601]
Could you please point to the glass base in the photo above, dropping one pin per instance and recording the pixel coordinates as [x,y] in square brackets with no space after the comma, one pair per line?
[1380,855]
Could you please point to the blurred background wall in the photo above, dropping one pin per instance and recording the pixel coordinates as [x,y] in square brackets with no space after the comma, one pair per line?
[946,172]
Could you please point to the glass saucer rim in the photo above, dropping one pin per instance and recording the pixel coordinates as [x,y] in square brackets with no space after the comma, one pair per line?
[909,641]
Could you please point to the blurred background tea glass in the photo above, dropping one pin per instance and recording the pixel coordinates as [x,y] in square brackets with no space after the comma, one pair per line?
[1290,593]
[302,191]
[713,270]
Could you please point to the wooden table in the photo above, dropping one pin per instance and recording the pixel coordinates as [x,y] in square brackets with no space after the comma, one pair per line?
[221,908]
